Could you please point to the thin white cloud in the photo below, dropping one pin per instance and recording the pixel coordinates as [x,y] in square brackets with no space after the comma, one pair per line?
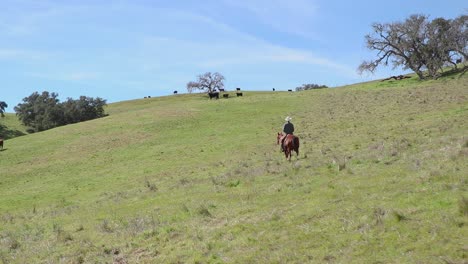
[23,18]
[275,54]
[66,76]
[80,76]
[23,55]
[180,42]
[290,16]
[236,48]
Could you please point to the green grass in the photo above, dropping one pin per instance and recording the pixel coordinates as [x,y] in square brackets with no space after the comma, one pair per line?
[11,127]
[381,178]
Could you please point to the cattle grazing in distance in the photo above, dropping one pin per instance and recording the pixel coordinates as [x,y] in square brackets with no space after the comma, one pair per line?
[239,94]
[289,90]
[213,95]
[175,92]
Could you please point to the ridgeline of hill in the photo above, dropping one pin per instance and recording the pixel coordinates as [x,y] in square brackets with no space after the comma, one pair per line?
[381,178]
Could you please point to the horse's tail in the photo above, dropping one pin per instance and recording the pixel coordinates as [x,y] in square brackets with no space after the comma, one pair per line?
[296,144]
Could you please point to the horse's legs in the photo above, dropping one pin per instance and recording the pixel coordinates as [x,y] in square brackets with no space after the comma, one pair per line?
[288,152]
[283,147]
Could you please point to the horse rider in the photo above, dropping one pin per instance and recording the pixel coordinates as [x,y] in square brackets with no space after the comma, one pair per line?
[288,129]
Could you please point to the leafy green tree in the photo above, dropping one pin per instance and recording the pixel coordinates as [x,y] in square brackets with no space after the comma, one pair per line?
[44,111]
[83,109]
[39,111]
[3,105]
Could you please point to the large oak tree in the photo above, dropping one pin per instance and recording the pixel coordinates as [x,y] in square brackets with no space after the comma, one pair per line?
[208,81]
[418,44]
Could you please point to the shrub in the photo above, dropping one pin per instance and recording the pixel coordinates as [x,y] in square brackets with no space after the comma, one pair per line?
[310,87]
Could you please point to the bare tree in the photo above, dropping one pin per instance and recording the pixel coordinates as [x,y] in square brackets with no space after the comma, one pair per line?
[396,42]
[208,81]
[191,86]
[417,44]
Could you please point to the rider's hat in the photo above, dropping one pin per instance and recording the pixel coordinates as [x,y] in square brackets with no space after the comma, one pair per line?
[288,118]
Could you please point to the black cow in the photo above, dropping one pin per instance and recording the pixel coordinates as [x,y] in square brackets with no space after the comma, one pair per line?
[213,95]
[175,92]
[289,90]
[239,94]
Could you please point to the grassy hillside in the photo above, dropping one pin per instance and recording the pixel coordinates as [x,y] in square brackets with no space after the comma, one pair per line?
[381,178]
[11,127]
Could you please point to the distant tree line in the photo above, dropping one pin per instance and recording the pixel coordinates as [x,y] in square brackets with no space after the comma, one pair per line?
[310,86]
[43,111]
[422,45]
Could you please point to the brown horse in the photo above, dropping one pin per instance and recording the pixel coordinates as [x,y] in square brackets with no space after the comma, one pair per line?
[290,143]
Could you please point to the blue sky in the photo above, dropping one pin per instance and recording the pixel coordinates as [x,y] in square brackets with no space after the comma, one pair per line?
[128,49]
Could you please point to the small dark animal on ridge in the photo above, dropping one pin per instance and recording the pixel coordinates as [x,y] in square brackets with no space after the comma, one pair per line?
[213,95]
